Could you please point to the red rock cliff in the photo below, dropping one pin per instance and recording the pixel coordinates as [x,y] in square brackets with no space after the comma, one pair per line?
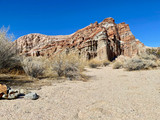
[105,40]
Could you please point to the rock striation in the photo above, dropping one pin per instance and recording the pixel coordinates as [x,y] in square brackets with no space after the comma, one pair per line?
[105,40]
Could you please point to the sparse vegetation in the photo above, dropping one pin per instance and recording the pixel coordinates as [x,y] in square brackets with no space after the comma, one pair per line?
[134,64]
[105,62]
[146,56]
[9,59]
[154,51]
[158,63]
[33,67]
[139,64]
[94,63]
[117,65]
[70,65]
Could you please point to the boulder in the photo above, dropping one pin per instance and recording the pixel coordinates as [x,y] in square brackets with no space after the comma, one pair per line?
[31,96]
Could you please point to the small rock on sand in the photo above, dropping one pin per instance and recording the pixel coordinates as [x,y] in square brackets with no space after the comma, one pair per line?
[32,96]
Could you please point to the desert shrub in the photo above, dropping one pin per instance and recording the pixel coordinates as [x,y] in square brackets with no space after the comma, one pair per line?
[94,63]
[139,64]
[134,64]
[71,70]
[158,52]
[122,58]
[158,63]
[70,65]
[147,56]
[154,51]
[150,64]
[59,65]
[33,67]
[8,57]
[105,62]
[117,65]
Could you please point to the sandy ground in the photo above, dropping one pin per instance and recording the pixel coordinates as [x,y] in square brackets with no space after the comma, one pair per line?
[109,95]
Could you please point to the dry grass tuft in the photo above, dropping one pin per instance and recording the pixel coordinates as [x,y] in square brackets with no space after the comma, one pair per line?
[106,62]
[146,56]
[158,63]
[94,63]
[68,65]
[33,67]
[117,65]
[153,51]
[139,64]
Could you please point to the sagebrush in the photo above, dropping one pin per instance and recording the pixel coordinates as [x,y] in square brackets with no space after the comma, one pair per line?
[33,67]
[8,57]
[94,63]
[69,65]
[117,65]
[139,64]
[9,60]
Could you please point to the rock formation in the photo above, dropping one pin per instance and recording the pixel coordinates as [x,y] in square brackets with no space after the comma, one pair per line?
[105,40]
[3,90]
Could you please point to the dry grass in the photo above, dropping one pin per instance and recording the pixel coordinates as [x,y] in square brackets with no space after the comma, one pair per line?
[117,65]
[139,64]
[24,82]
[94,63]
[106,62]
[154,51]
[8,57]
[146,56]
[158,63]
[14,71]
[33,66]
[68,65]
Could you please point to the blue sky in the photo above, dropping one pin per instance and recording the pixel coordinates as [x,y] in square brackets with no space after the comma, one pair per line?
[62,17]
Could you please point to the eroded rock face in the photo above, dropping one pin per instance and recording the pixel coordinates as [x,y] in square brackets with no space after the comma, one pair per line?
[129,44]
[105,40]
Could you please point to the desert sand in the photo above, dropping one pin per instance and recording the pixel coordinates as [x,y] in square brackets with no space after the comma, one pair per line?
[109,95]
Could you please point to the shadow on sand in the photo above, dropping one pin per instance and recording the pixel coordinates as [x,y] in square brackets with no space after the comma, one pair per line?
[14,80]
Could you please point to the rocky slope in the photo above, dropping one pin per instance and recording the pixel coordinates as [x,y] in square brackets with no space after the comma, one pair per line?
[105,40]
